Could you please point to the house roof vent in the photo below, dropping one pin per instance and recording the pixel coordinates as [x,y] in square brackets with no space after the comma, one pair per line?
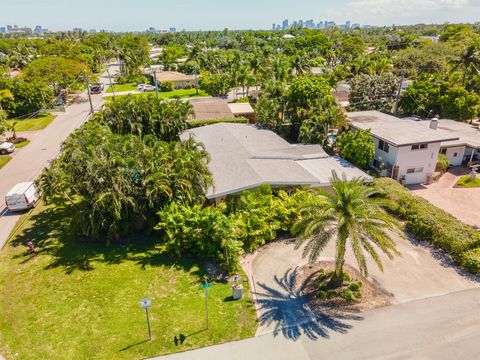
[434,123]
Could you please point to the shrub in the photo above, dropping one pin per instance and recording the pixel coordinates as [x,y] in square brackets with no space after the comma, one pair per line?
[198,123]
[470,260]
[167,86]
[200,231]
[188,87]
[429,223]
[442,163]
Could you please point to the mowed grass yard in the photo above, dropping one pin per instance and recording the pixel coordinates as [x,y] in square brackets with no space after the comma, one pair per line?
[181,93]
[4,160]
[80,300]
[37,123]
[122,87]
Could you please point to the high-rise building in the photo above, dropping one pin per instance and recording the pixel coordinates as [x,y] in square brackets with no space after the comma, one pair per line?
[3,30]
[285,24]
[172,30]
[77,30]
[92,31]
[9,28]
[274,26]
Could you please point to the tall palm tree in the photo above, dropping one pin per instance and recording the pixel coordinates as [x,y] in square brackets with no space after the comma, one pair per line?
[350,214]
[469,60]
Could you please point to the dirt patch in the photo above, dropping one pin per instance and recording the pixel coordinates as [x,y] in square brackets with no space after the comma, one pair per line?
[373,295]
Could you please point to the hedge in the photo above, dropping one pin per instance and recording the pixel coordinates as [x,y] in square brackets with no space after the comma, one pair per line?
[430,223]
[198,123]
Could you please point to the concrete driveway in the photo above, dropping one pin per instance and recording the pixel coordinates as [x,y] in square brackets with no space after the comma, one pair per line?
[420,272]
[464,204]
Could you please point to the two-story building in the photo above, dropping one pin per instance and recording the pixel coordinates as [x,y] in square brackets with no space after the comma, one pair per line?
[404,150]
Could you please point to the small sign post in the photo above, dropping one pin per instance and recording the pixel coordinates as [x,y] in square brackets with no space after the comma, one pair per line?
[145,304]
[205,286]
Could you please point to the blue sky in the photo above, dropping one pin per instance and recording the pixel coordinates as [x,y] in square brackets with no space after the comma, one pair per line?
[129,15]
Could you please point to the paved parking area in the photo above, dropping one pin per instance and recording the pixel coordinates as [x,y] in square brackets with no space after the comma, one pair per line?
[464,204]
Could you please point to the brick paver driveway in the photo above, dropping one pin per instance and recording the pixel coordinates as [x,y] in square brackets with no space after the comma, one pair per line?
[464,204]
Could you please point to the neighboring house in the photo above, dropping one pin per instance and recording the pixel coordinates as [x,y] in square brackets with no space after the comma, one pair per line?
[341,93]
[244,157]
[243,109]
[211,108]
[464,150]
[216,108]
[407,150]
[180,80]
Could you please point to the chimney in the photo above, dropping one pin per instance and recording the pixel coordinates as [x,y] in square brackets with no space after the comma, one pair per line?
[434,123]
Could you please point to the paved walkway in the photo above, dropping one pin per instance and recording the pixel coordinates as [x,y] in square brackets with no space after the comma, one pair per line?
[464,204]
[29,162]
[441,328]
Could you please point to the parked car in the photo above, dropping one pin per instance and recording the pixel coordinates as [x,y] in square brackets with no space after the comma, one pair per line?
[6,148]
[22,196]
[97,88]
[145,87]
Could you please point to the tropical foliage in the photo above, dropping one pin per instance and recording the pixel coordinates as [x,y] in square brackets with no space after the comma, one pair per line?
[351,216]
[357,147]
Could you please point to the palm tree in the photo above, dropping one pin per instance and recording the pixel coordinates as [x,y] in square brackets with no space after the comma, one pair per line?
[469,60]
[350,214]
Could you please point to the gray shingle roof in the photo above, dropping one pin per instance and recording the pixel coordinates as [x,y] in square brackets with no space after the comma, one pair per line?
[245,157]
[396,131]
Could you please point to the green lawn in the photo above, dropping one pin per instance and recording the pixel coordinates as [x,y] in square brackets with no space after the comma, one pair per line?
[37,123]
[80,300]
[4,160]
[466,182]
[122,87]
[167,95]
[22,144]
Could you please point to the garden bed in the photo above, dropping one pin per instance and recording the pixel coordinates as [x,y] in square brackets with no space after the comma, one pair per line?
[467,182]
[311,278]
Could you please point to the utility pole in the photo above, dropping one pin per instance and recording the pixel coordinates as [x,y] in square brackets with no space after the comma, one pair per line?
[155,82]
[88,91]
[111,84]
[397,100]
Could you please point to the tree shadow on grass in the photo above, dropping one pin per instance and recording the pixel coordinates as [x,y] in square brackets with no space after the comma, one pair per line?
[52,234]
[284,307]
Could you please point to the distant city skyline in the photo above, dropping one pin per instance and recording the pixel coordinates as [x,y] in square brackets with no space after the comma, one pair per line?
[139,15]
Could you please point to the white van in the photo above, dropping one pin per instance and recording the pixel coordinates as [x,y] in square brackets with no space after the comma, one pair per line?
[22,196]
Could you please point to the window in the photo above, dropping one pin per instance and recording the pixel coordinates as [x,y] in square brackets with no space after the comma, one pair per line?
[375,163]
[382,145]
[443,151]
[419,146]
[455,154]
[415,170]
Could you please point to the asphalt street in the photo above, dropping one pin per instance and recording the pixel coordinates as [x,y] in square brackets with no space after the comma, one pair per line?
[29,162]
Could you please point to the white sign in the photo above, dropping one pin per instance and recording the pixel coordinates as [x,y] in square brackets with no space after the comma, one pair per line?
[145,303]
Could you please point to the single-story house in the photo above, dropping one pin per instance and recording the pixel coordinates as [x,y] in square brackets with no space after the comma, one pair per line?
[406,150]
[217,108]
[180,80]
[464,150]
[244,157]
[211,108]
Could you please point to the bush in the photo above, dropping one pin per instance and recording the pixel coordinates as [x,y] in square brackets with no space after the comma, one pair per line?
[429,223]
[470,260]
[167,86]
[442,163]
[198,123]
[188,87]
[200,231]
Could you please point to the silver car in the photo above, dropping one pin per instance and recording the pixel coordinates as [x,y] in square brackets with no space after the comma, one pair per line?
[6,148]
